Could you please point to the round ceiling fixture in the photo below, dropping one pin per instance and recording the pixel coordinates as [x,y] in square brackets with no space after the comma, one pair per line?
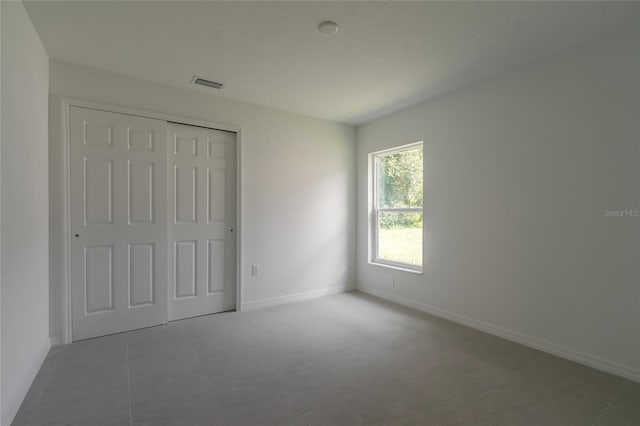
[328,27]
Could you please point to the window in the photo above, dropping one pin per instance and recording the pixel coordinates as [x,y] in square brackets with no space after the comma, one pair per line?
[396,231]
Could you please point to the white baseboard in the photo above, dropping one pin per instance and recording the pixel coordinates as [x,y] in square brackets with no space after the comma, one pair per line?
[296,297]
[17,398]
[533,342]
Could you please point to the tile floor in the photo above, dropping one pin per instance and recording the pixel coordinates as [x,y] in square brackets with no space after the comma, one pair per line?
[348,359]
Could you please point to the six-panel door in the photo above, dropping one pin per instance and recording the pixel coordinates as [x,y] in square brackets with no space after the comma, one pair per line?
[118,222]
[202,209]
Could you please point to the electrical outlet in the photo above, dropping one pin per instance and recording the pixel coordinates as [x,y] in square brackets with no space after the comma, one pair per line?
[254,270]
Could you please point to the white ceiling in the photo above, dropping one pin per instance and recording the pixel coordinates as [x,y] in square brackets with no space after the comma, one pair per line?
[386,55]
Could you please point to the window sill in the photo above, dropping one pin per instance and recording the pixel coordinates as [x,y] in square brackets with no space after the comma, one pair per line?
[396,267]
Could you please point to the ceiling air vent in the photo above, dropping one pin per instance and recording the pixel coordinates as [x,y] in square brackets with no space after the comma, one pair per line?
[204,82]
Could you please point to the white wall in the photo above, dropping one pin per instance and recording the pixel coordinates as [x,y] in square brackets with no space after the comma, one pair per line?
[1,62]
[518,174]
[298,184]
[24,228]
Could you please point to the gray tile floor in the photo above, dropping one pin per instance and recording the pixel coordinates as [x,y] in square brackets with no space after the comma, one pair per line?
[348,359]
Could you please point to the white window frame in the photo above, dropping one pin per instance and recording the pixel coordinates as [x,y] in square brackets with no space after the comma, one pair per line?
[375,210]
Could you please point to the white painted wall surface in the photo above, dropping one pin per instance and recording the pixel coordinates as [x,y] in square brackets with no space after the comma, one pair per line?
[518,174]
[298,177]
[1,61]
[24,228]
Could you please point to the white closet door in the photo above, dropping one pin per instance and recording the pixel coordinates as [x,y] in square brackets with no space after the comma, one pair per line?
[118,222]
[202,205]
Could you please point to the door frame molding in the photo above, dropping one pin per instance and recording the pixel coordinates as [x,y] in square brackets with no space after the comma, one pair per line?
[65,104]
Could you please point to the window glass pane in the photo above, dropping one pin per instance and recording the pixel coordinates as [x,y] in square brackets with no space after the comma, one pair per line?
[400,179]
[400,237]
